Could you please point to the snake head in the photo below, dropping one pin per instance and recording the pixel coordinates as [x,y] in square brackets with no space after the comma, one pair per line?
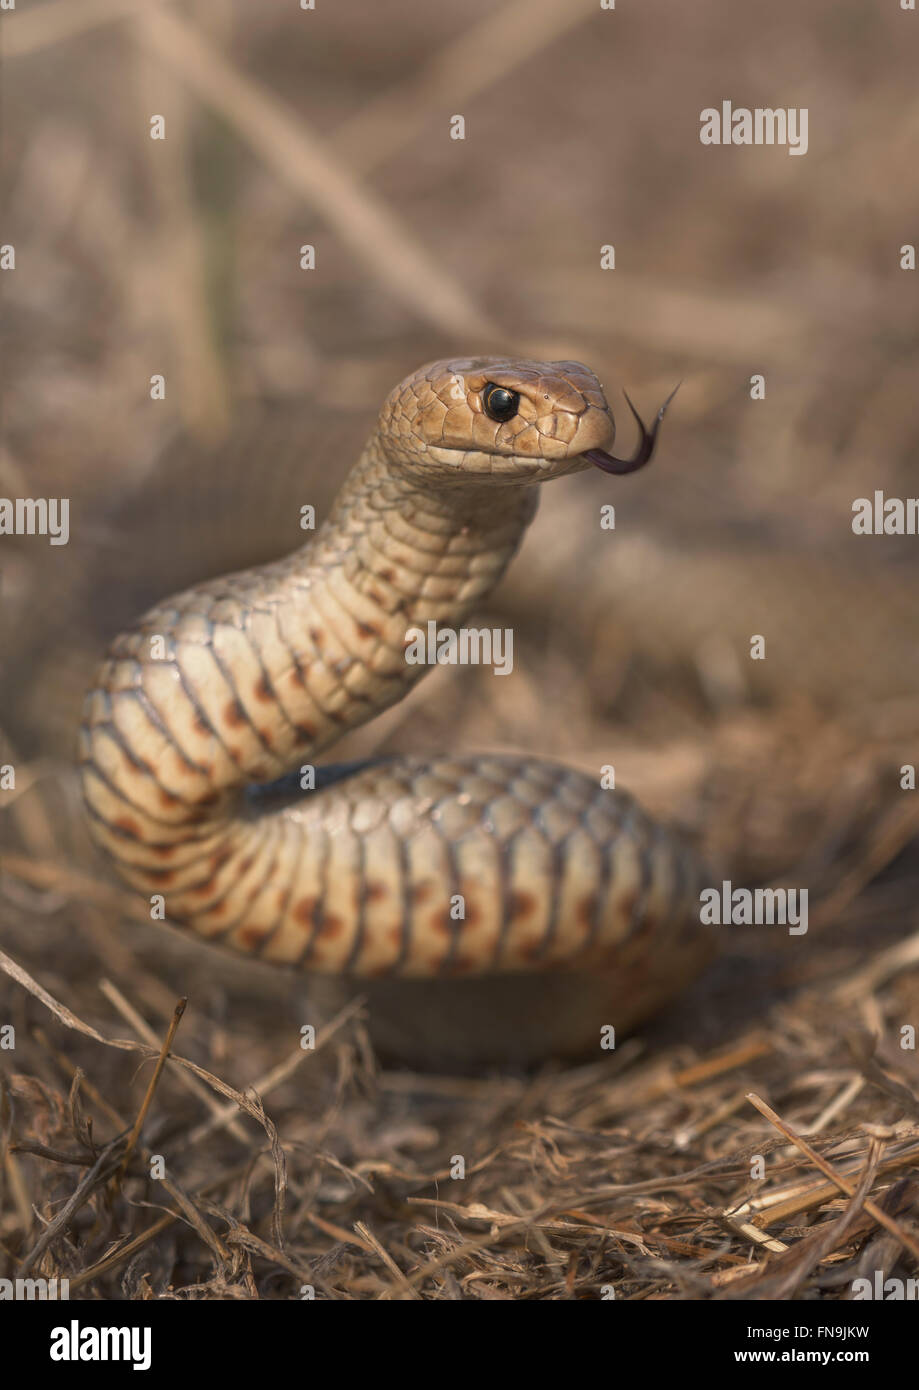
[505,419]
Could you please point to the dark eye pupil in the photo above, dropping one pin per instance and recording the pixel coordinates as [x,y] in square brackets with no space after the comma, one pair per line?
[499,403]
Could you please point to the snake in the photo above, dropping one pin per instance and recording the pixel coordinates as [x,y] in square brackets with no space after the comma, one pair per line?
[489,907]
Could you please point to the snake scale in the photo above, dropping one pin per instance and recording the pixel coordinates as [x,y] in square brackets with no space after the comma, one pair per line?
[488,907]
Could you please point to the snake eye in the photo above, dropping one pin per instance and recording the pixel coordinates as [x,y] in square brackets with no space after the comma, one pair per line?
[499,403]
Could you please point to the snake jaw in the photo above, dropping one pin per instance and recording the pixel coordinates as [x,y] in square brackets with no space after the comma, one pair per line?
[642,455]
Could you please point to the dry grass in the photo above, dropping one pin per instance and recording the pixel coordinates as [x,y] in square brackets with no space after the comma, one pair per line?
[317,1168]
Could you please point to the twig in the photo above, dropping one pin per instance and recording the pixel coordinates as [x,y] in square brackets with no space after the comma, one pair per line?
[154,1080]
[836,1178]
[191,1083]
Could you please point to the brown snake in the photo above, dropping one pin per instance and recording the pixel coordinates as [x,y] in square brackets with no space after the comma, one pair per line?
[512,901]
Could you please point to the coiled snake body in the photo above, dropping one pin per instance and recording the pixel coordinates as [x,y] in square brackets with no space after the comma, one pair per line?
[489,907]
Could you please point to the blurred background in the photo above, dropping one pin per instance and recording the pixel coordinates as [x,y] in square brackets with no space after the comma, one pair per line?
[331,128]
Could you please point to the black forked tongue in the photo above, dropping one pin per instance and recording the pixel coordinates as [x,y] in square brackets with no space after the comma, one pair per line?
[610,464]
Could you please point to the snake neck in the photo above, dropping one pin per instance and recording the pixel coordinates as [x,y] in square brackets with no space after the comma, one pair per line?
[427,551]
[242,678]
